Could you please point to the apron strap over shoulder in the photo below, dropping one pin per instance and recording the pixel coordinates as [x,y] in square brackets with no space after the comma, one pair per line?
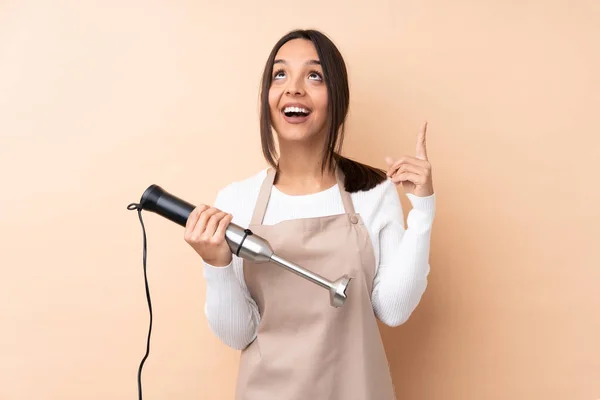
[346,199]
[263,198]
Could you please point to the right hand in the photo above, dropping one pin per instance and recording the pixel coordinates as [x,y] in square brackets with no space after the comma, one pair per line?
[205,232]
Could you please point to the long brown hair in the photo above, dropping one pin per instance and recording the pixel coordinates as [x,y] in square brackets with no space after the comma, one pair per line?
[358,176]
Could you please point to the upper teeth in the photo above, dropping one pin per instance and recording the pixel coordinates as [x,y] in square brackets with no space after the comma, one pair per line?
[296,109]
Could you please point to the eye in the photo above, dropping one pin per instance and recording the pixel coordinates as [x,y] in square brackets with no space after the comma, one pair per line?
[279,74]
[315,75]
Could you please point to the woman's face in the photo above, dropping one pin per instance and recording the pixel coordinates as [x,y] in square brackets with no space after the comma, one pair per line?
[298,95]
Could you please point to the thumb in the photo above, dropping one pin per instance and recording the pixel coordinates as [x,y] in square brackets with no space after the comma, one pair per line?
[389,160]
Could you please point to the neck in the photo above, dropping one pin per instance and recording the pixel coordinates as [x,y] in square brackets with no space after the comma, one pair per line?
[300,169]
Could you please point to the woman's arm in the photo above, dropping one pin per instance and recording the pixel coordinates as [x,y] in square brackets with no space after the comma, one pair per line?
[231,312]
[403,268]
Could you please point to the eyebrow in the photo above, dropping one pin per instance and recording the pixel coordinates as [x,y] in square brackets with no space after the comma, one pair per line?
[309,62]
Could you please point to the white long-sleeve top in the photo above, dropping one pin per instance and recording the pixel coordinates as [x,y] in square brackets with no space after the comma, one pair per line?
[401,253]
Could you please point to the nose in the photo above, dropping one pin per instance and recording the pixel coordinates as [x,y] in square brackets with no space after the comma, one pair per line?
[295,87]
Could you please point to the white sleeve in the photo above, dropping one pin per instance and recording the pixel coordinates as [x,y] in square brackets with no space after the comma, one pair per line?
[401,277]
[231,312]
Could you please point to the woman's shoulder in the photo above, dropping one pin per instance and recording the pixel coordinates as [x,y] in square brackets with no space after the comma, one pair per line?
[380,195]
[238,197]
[244,186]
[379,205]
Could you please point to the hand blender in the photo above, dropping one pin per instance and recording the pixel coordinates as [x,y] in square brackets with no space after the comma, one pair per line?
[242,242]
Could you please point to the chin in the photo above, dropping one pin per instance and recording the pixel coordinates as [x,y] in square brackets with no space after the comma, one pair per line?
[304,132]
[296,135]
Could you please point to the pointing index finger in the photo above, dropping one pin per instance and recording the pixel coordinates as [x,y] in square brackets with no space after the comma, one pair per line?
[422,143]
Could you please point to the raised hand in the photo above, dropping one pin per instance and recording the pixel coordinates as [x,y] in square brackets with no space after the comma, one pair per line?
[413,172]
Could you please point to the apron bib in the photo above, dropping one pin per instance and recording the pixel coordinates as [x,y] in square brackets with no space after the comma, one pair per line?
[306,349]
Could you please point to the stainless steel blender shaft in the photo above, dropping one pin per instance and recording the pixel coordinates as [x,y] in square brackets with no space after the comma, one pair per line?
[249,246]
[337,289]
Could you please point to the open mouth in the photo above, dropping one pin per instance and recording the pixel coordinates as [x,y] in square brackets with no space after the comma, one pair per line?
[296,113]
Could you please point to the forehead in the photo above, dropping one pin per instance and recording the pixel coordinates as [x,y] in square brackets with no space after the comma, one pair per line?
[297,51]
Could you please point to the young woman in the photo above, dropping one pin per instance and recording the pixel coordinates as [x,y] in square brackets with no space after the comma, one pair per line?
[328,214]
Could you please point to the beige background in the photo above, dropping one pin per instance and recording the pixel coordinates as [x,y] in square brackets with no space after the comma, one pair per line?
[98,100]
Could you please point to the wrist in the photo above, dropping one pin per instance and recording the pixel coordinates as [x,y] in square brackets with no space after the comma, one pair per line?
[423,191]
[218,263]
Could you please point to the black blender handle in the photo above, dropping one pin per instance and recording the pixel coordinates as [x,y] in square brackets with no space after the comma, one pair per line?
[171,207]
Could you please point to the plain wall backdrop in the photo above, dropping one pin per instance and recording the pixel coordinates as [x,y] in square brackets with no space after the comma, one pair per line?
[98,100]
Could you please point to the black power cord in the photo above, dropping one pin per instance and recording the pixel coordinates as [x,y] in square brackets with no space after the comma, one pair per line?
[135,206]
[157,200]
